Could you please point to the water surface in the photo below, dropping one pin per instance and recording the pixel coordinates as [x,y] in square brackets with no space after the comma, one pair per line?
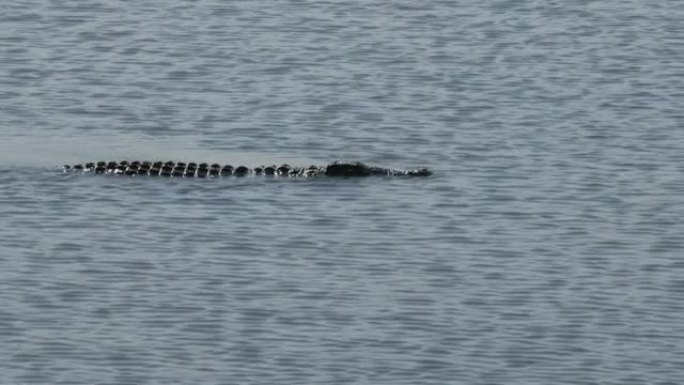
[545,249]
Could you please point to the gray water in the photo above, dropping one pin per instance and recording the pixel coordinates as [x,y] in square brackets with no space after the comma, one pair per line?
[547,248]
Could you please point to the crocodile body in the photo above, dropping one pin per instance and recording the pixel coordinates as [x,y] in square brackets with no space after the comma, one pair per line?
[204,170]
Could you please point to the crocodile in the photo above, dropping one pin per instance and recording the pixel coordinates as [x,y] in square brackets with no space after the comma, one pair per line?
[204,170]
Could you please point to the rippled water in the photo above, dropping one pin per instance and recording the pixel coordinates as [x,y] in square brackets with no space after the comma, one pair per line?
[547,247]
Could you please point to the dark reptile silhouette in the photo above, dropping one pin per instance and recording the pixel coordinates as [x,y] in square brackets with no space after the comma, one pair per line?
[204,170]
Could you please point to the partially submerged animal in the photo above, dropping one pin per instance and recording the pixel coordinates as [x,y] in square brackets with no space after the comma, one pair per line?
[204,170]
